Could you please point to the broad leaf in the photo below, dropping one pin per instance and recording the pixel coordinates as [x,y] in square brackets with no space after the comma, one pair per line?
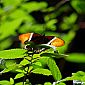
[12,54]
[54,69]
[4,82]
[42,71]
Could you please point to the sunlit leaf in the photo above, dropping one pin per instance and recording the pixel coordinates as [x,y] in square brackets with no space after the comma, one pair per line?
[19,75]
[4,82]
[24,62]
[12,54]
[42,71]
[54,69]
[47,83]
[11,81]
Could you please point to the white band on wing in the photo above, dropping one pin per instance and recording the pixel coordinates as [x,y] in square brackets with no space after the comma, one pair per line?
[51,40]
[30,36]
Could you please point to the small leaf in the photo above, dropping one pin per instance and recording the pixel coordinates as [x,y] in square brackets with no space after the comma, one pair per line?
[12,54]
[37,65]
[19,70]
[42,71]
[54,69]
[61,83]
[19,75]
[47,83]
[51,24]
[11,81]
[24,62]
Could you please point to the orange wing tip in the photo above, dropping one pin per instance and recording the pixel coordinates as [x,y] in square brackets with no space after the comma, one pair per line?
[24,37]
[57,42]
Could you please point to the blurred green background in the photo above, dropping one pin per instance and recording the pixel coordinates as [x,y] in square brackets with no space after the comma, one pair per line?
[60,18]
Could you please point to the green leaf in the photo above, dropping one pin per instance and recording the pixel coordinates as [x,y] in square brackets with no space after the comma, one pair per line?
[68,22]
[47,83]
[43,60]
[19,75]
[51,24]
[12,54]
[34,6]
[20,70]
[5,44]
[19,83]
[11,81]
[42,71]
[61,83]
[11,2]
[24,62]
[80,76]
[10,68]
[11,28]
[37,65]
[54,69]
[4,82]
[76,57]
[78,5]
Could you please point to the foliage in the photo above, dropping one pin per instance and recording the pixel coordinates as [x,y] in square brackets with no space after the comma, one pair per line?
[22,16]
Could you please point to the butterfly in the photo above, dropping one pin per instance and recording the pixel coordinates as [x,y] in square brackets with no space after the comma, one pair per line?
[38,39]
